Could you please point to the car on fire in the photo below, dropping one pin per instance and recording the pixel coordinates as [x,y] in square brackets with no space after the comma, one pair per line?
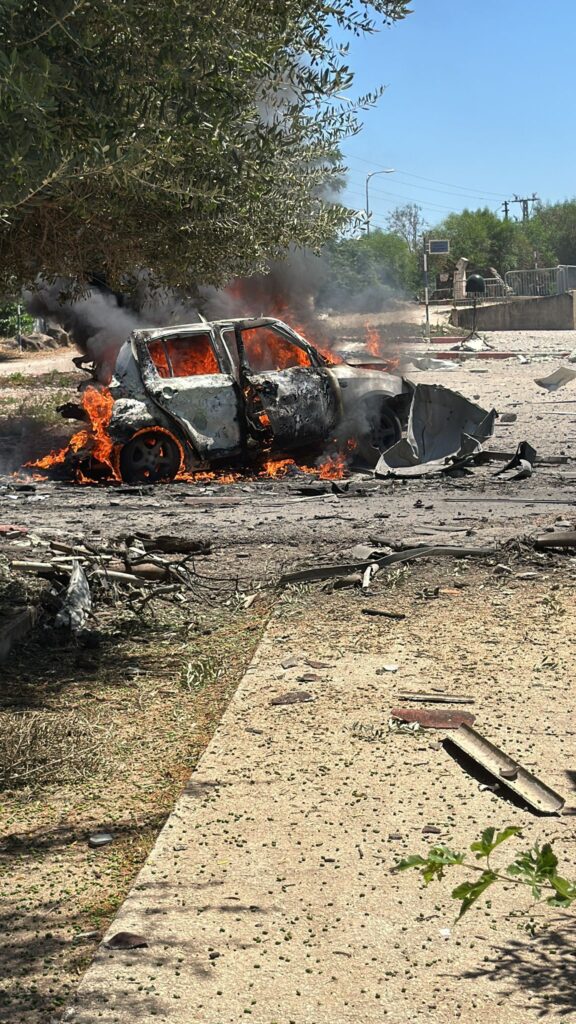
[195,395]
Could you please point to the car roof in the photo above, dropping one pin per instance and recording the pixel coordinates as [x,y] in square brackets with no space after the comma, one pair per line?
[254,321]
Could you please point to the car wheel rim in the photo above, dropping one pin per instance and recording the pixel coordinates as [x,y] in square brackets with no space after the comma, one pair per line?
[150,457]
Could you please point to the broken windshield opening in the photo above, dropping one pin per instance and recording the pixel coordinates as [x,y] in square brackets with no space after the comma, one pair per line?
[267,349]
[188,356]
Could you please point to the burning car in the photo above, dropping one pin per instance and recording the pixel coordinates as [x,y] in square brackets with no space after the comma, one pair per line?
[187,397]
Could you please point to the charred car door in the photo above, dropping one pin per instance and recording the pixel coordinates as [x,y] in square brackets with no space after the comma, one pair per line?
[290,398]
[187,377]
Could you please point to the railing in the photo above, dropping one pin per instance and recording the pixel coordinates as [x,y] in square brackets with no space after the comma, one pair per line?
[542,281]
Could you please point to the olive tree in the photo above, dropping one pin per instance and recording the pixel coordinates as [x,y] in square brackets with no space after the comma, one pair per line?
[192,138]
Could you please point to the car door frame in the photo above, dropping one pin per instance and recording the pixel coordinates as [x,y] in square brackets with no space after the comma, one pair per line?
[216,399]
[309,402]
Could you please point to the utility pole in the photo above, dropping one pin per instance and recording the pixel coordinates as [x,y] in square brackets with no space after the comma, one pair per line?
[426,289]
[524,202]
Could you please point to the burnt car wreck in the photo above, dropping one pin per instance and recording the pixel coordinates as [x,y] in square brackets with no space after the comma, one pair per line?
[192,396]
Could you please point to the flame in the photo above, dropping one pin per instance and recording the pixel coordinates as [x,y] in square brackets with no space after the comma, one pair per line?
[373,340]
[173,357]
[256,298]
[266,350]
[184,357]
[98,403]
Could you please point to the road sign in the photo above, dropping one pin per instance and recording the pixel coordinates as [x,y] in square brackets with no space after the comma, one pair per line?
[438,246]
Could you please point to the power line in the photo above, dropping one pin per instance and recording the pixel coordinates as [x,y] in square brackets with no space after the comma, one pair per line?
[396,196]
[422,177]
[441,191]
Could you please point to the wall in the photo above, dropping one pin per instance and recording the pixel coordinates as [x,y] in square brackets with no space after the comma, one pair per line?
[542,313]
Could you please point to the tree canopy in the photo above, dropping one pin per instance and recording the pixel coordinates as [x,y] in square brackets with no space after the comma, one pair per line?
[192,138]
[547,238]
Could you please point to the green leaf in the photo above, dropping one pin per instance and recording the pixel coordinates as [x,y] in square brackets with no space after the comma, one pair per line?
[490,840]
[469,892]
[415,861]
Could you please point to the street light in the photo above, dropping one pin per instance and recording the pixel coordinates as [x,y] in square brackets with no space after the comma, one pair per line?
[390,170]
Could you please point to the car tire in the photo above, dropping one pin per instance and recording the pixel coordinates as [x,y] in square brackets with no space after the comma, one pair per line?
[151,456]
[382,429]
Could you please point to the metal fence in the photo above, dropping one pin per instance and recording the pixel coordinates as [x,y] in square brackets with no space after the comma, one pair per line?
[543,281]
[495,288]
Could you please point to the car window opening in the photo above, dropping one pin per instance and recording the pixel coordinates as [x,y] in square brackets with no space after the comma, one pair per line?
[190,356]
[266,349]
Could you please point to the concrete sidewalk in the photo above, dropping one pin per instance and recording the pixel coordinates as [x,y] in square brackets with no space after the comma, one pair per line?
[268,896]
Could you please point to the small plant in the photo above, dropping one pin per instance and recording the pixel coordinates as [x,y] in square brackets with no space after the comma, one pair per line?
[535,869]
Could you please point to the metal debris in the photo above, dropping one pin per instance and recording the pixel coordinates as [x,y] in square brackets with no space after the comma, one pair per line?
[436,698]
[522,460]
[528,787]
[445,431]
[431,718]
[567,539]
[563,375]
[100,839]
[324,572]
[77,604]
[382,612]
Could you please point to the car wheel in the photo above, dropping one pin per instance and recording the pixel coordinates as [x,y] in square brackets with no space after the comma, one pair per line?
[382,430]
[152,456]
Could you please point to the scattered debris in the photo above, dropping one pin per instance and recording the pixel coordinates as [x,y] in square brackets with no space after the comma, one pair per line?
[368,574]
[429,363]
[522,460]
[292,697]
[9,530]
[126,940]
[566,539]
[430,718]
[521,782]
[445,431]
[361,731]
[382,612]
[324,572]
[100,839]
[77,604]
[563,375]
[354,579]
[435,698]
[397,725]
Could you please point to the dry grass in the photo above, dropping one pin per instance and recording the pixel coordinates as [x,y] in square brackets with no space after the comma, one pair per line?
[128,721]
[39,747]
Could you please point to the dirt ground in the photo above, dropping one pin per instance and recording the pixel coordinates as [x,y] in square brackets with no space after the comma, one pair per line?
[270,893]
[134,689]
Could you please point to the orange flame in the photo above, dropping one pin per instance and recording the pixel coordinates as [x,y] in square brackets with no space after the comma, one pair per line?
[373,340]
[95,438]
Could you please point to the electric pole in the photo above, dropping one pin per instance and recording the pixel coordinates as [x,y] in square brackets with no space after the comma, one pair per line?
[524,202]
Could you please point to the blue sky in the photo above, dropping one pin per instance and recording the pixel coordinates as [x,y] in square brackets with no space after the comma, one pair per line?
[478,106]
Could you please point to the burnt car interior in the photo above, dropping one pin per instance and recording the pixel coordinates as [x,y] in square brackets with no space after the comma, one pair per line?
[266,348]
[187,356]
